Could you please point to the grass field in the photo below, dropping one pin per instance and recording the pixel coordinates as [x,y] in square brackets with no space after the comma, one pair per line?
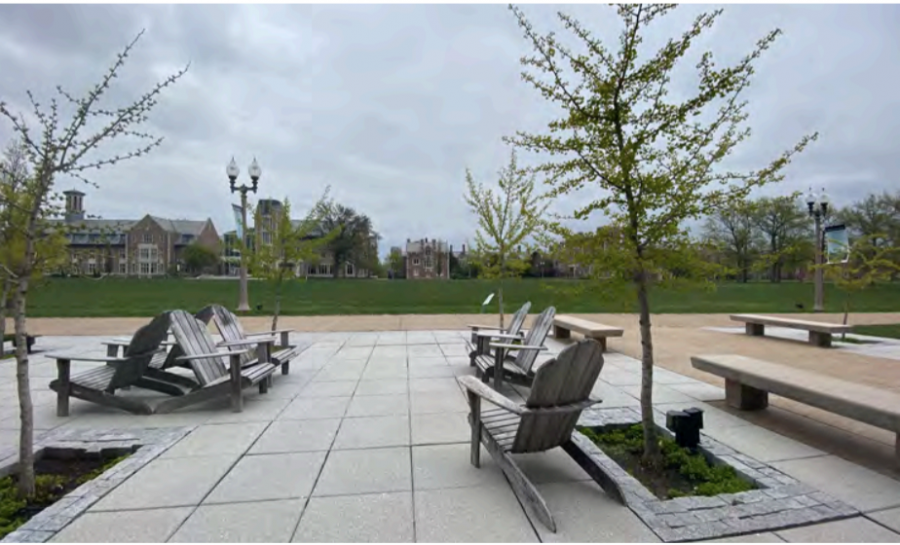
[78,297]
[891,331]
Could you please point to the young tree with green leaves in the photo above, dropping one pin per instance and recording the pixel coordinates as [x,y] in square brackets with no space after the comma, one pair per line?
[287,245]
[785,228]
[653,161]
[733,231]
[396,263]
[67,141]
[198,258]
[508,220]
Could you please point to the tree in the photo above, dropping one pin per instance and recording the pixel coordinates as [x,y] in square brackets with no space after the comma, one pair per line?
[198,258]
[733,230]
[352,244]
[868,263]
[877,218]
[58,148]
[396,263]
[506,220]
[785,227]
[288,244]
[654,160]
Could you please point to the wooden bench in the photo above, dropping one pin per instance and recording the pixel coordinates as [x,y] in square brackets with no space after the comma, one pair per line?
[563,326]
[29,341]
[749,381]
[819,332]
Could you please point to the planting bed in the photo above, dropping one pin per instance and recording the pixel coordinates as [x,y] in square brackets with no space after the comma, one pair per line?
[772,501]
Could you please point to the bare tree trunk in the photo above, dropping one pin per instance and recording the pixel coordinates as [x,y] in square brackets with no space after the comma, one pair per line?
[846,314]
[277,306]
[651,444]
[26,409]
[4,306]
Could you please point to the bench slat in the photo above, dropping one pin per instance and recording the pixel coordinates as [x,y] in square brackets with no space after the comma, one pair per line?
[880,408]
[587,327]
[794,323]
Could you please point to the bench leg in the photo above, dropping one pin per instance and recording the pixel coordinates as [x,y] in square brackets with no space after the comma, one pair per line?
[822,340]
[756,330]
[561,333]
[743,397]
[602,341]
[63,369]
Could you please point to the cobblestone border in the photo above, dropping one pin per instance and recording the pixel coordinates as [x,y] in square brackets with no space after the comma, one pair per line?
[779,502]
[149,442]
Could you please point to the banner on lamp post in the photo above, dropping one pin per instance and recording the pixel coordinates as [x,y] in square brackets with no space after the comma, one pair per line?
[238,221]
[837,244]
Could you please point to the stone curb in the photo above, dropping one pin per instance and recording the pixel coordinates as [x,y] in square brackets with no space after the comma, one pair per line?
[150,443]
[779,502]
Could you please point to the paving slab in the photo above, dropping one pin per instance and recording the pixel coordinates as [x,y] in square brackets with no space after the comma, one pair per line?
[261,410]
[341,370]
[483,514]
[217,439]
[367,518]
[424,351]
[700,391]
[762,444]
[431,371]
[352,352]
[766,537]
[140,526]
[168,482]
[888,517]
[437,428]
[308,408]
[365,471]
[394,368]
[253,522]
[373,432]
[330,388]
[386,386]
[437,402]
[855,530]
[388,351]
[433,385]
[661,393]
[860,487]
[380,405]
[269,477]
[449,466]
[297,436]
[585,514]
[552,466]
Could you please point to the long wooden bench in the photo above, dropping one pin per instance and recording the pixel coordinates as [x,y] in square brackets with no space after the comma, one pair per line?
[749,381]
[563,326]
[819,332]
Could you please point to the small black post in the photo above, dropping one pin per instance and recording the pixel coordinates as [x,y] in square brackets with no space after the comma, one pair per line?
[686,426]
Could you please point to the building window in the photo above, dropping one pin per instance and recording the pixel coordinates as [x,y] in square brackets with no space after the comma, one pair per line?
[92,266]
[324,269]
[348,270]
[149,259]
[415,262]
[123,267]
[147,238]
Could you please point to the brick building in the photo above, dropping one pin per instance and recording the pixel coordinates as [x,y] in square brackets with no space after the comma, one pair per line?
[427,259]
[150,246]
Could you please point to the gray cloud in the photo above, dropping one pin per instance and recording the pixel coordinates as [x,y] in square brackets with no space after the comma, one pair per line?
[390,104]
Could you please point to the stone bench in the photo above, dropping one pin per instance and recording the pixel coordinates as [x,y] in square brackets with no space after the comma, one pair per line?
[563,326]
[819,332]
[749,381]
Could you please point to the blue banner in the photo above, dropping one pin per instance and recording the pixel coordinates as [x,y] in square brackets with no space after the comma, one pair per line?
[238,221]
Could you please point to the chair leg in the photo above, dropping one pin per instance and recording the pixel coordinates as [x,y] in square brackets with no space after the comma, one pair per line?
[475,422]
[522,487]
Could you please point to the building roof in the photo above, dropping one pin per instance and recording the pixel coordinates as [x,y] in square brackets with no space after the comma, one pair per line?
[417,246]
[103,231]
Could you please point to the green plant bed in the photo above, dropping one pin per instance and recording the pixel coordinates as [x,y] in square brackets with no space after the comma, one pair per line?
[683,473]
[55,477]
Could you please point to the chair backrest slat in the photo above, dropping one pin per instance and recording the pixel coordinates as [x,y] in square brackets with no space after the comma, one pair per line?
[138,354]
[229,327]
[193,337]
[518,319]
[536,336]
[567,379]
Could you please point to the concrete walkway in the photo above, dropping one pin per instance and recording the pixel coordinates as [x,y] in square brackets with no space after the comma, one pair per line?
[366,440]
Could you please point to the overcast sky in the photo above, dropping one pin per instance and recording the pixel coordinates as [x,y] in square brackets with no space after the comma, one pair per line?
[390,104]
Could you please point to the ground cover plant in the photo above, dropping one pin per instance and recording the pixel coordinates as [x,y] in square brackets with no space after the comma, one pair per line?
[684,473]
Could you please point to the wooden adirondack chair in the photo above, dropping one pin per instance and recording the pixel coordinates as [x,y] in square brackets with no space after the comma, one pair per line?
[232,332]
[219,371]
[482,334]
[99,385]
[519,369]
[546,420]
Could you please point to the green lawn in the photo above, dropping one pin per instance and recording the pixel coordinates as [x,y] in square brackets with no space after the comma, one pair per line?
[891,331]
[79,297]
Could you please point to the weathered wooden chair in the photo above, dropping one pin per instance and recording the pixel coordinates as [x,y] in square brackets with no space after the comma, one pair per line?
[99,385]
[232,332]
[519,368]
[218,370]
[561,390]
[482,334]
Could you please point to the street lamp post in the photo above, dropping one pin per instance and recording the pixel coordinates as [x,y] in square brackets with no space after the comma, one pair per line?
[818,210]
[255,172]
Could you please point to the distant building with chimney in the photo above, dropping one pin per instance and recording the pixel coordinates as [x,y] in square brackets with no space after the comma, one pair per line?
[427,259]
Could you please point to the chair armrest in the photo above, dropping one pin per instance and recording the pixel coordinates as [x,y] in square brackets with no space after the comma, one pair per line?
[476,326]
[245,342]
[485,392]
[498,335]
[126,342]
[518,346]
[562,409]
[270,333]
[104,359]
[214,355]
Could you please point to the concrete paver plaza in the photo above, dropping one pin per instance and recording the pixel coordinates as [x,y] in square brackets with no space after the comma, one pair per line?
[367,440]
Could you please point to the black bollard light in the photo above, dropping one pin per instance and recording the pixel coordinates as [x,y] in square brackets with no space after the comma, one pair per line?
[686,426]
